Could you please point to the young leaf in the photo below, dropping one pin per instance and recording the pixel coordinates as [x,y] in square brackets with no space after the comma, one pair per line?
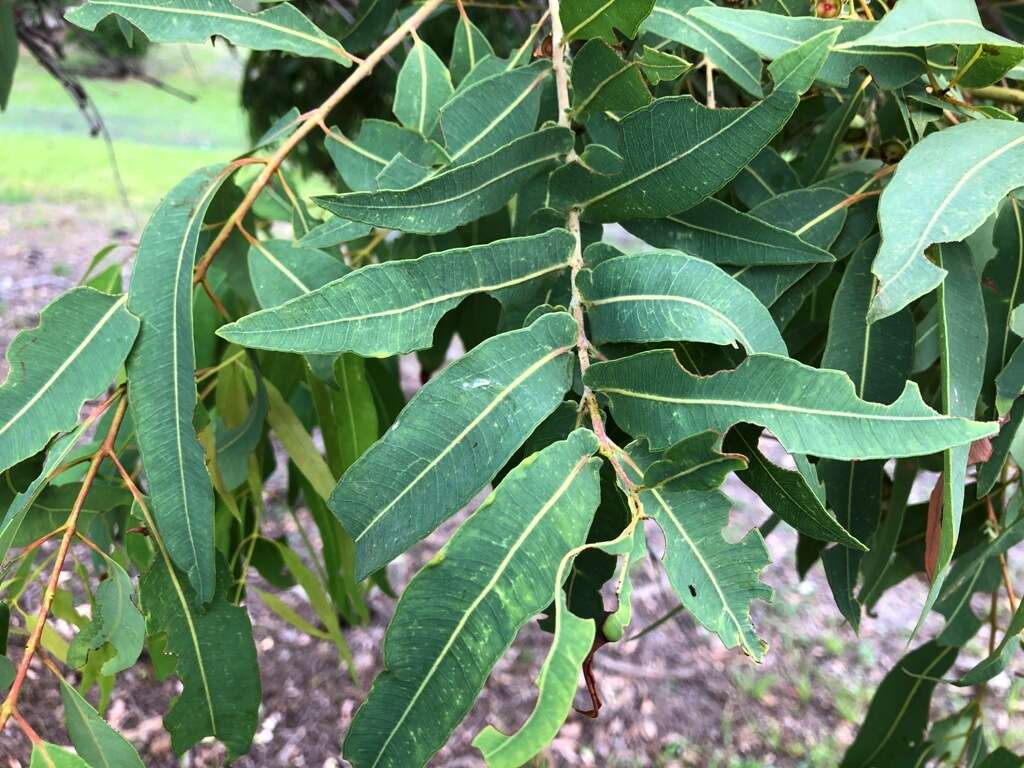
[117,621]
[488,115]
[715,579]
[719,233]
[671,19]
[942,191]
[469,48]
[460,195]
[392,308]
[583,19]
[505,557]
[161,384]
[669,296]
[930,22]
[696,151]
[279,28]
[70,357]
[452,438]
[771,35]
[216,659]
[94,739]
[810,410]
[423,86]
[894,728]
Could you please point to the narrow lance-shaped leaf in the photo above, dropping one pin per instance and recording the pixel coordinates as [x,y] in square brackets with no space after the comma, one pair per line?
[392,308]
[491,113]
[161,383]
[671,20]
[719,233]
[281,270]
[771,35]
[360,161]
[452,438]
[1001,655]
[70,357]
[1003,278]
[810,410]
[505,558]
[931,22]
[423,86]
[279,28]
[557,681]
[460,195]
[942,191]
[677,152]
[716,580]
[670,296]
[216,659]
[469,48]
[94,739]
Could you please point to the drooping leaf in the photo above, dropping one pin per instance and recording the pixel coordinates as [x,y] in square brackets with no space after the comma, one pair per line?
[423,86]
[719,233]
[894,728]
[583,19]
[716,580]
[1000,656]
[116,621]
[695,151]
[392,308]
[493,112]
[505,557]
[603,82]
[94,739]
[785,492]
[216,659]
[1003,289]
[931,22]
[669,296]
[771,35]
[671,20]
[70,357]
[459,195]
[161,384]
[943,190]
[810,410]
[819,155]
[279,28]
[361,160]
[405,485]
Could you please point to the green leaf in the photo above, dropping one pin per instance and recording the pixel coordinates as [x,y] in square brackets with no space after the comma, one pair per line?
[671,20]
[452,438]
[161,383]
[898,715]
[69,358]
[696,150]
[8,50]
[47,755]
[719,233]
[767,176]
[786,493]
[505,558]
[335,231]
[116,621]
[771,35]
[469,48]
[297,443]
[280,270]
[279,28]
[661,66]
[460,195]
[489,114]
[359,162]
[582,19]
[694,463]
[603,82]
[391,308]
[943,190]
[423,86]
[216,659]
[1010,381]
[810,410]
[1003,278]
[931,22]
[982,65]
[1000,656]
[1002,758]
[372,18]
[557,681]
[716,580]
[819,155]
[669,296]
[94,739]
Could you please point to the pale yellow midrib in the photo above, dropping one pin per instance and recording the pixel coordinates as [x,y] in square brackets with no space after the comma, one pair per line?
[680,299]
[706,36]
[512,385]
[75,353]
[545,508]
[265,252]
[500,117]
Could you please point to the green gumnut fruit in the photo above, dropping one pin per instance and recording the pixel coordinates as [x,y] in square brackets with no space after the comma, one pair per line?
[613,628]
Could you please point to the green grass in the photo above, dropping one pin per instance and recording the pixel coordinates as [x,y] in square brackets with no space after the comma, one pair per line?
[158,138]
